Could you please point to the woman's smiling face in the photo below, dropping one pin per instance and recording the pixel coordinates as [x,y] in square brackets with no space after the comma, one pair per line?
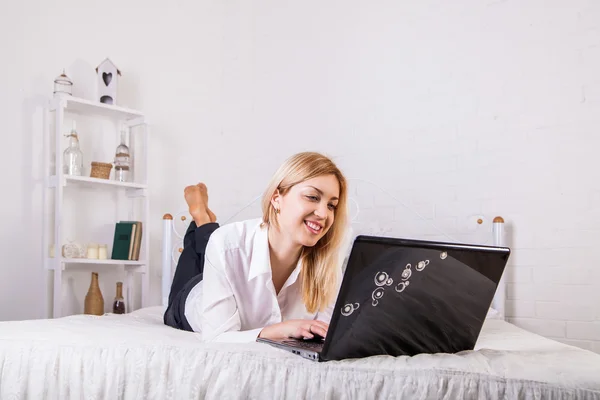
[307,210]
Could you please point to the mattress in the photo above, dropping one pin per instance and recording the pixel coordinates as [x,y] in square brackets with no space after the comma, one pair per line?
[134,356]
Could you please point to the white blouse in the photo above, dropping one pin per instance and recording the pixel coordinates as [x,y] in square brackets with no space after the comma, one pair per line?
[236,298]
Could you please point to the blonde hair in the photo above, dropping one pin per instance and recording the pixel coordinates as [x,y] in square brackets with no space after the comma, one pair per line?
[320,263]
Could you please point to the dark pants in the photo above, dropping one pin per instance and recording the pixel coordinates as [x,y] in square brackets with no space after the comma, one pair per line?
[188,273]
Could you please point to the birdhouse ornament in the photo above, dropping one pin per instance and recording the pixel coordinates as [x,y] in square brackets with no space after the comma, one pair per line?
[108,79]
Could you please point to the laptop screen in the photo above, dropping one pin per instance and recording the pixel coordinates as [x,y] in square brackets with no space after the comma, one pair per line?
[403,297]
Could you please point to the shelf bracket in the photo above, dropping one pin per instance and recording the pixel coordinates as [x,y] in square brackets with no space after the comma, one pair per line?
[140,269]
[132,193]
[135,122]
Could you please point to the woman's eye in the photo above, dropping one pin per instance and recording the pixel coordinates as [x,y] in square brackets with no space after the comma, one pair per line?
[332,207]
[313,198]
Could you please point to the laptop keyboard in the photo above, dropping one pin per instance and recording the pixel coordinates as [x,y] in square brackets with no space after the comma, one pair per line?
[304,345]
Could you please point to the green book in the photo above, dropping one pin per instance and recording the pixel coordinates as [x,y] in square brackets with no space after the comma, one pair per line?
[136,241]
[122,240]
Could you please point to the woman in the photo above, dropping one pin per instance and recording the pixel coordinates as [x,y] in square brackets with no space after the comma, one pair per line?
[275,277]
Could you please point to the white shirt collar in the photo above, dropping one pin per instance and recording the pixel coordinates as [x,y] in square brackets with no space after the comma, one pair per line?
[261,259]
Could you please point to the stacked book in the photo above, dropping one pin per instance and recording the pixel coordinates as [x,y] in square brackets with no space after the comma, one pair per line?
[127,241]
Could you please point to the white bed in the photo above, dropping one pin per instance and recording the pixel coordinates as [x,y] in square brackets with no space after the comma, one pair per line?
[135,356]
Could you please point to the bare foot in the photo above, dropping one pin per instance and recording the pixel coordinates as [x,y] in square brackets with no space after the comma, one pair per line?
[204,194]
[196,197]
[212,216]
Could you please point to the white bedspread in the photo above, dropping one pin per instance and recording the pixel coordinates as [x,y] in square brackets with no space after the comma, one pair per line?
[135,356]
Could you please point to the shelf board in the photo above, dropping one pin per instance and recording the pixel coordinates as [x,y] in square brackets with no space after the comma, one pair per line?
[100,262]
[106,182]
[139,266]
[89,181]
[83,106]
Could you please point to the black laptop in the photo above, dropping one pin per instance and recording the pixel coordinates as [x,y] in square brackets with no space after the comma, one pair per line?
[407,297]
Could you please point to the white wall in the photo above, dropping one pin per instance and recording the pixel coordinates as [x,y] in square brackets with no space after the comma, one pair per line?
[458,109]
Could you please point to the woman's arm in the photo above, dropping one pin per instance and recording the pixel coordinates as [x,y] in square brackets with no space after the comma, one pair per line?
[220,315]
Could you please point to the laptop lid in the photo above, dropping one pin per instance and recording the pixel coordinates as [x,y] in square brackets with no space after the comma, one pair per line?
[405,297]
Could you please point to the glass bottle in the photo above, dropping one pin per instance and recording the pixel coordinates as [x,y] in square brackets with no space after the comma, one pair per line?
[122,160]
[119,303]
[72,156]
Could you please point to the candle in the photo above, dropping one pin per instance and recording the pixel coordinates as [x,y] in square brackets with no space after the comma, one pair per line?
[102,252]
[92,251]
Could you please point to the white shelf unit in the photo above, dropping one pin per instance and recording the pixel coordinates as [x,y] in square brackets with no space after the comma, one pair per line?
[54,189]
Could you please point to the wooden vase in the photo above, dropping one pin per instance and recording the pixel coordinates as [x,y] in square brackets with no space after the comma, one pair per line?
[94,302]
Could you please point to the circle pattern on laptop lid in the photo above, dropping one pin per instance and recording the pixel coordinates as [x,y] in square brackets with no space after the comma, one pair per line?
[401,286]
[377,295]
[406,274]
[422,264]
[382,278]
[349,309]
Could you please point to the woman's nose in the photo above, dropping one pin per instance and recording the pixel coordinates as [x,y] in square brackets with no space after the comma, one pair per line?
[321,211]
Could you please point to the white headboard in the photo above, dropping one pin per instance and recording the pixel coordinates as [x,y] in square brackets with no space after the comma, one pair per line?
[373,211]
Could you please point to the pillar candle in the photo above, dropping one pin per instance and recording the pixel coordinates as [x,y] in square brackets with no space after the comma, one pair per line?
[92,251]
[102,252]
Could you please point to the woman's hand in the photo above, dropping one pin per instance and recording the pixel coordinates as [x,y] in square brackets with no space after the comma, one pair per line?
[295,328]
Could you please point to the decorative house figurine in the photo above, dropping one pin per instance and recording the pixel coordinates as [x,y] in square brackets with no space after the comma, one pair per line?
[63,86]
[108,79]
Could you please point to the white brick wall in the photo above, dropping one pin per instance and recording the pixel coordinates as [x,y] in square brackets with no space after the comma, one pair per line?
[520,308]
[521,275]
[583,330]
[520,291]
[560,310]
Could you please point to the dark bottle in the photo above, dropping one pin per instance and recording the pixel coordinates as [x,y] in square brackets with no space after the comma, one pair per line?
[119,304]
